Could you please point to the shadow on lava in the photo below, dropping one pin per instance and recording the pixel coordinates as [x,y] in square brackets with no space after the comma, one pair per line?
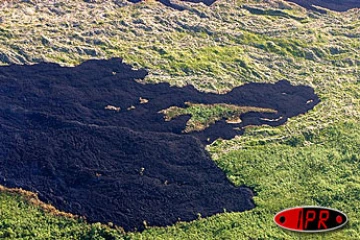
[91,141]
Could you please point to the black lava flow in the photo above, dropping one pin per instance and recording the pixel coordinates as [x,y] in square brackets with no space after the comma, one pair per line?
[128,166]
[335,5]
[169,3]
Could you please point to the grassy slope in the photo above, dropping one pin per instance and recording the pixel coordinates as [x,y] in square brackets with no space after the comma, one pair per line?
[293,172]
[21,220]
[313,159]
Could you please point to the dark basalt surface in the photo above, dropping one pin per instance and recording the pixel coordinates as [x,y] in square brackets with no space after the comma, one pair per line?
[126,167]
[335,5]
[168,2]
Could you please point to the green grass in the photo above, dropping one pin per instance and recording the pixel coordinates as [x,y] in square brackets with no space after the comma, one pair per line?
[321,168]
[310,169]
[203,115]
[20,219]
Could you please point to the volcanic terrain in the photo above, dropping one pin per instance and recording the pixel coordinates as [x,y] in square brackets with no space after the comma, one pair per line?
[335,5]
[91,141]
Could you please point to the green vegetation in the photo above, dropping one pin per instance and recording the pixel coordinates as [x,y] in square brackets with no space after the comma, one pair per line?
[314,168]
[321,168]
[312,159]
[20,219]
[203,115]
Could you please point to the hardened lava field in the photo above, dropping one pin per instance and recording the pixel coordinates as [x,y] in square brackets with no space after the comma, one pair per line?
[92,141]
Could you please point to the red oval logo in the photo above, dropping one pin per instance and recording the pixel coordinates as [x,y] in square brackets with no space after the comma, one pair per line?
[310,219]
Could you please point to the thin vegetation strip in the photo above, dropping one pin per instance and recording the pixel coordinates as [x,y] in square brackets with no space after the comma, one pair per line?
[203,115]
